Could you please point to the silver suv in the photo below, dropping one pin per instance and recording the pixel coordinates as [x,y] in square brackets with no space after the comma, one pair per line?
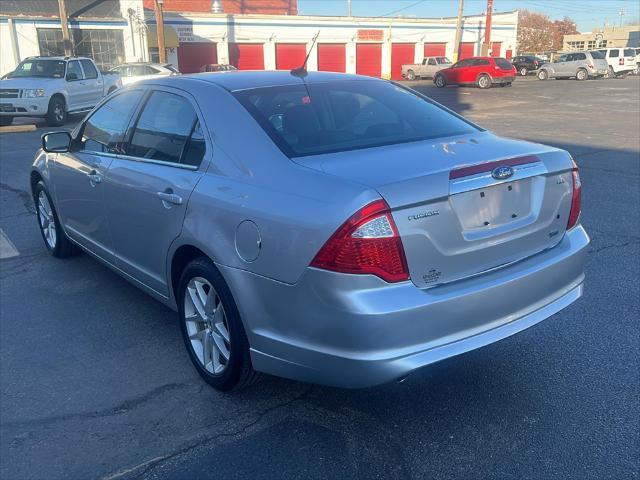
[580,65]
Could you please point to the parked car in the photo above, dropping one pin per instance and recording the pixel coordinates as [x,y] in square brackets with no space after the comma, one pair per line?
[134,72]
[317,229]
[53,87]
[526,63]
[620,61]
[217,67]
[578,65]
[636,71]
[480,71]
[426,69]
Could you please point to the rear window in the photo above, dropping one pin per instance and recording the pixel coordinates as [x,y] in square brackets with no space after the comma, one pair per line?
[629,52]
[331,117]
[598,55]
[579,56]
[503,64]
[442,60]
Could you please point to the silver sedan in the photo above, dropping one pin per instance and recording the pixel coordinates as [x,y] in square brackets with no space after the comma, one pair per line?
[332,228]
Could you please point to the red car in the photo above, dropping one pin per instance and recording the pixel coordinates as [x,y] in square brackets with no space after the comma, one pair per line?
[481,71]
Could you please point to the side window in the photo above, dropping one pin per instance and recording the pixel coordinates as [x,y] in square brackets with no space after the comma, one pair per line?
[89,70]
[614,53]
[150,71]
[563,58]
[196,147]
[105,128]
[580,56]
[481,62]
[73,71]
[163,129]
[432,61]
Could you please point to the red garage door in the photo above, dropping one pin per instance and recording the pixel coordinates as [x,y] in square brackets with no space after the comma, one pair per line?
[246,56]
[331,57]
[290,55]
[495,49]
[467,49]
[192,56]
[435,49]
[369,59]
[401,54]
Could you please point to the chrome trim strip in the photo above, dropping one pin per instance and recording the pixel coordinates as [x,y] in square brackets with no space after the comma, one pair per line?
[484,179]
[142,160]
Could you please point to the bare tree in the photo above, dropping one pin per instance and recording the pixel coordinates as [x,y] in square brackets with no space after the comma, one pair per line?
[538,33]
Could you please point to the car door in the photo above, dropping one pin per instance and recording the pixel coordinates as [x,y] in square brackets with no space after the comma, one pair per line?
[147,188]
[76,95]
[78,176]
[92,82]
[430,68]
[561,67]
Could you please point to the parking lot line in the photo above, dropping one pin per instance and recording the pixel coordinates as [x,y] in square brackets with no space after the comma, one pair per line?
[7,249]
[18,128]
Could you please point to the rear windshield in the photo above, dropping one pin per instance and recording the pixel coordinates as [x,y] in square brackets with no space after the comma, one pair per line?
[39,68]
[168,66]
[598,55]
[503,64]
[330,117]
[629,52]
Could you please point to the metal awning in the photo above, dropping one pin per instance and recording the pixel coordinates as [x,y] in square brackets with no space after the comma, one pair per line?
[170,37]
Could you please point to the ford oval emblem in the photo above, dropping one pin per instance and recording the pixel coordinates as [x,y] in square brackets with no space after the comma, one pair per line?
[501,173]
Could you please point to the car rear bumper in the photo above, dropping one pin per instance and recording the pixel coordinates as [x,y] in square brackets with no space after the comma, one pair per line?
[24,107]
[499,80]
[358,331]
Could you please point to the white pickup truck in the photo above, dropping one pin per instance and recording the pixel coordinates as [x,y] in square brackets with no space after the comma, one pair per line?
[53,87]
[427,69]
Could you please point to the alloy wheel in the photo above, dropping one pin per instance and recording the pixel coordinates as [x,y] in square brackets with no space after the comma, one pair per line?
[47,222]
[58,112]
[207,325]
[523,71]
[484,82]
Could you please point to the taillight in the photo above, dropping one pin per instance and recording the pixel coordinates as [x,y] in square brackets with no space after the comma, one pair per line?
[576,198]
[367,243]
[621,61]
[590,66]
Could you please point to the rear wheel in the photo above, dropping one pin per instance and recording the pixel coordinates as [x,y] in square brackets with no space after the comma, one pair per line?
[440,81]
[524,71]
[57,113]
[581,75]
[543,75]
[411,75]
[4,121]
[56,241]
[212,329]
[610,72]
[484,81]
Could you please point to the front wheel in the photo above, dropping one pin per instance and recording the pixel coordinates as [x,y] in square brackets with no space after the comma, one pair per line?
[581,75]
[440,81]
[411,75]
[56,241]
[543,75]
[484,81]
[524,71]
[57,113]
[212,329]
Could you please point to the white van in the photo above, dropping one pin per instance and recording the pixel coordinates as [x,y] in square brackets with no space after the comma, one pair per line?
[621,60]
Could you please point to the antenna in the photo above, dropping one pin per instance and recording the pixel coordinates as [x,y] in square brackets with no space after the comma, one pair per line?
[301,71]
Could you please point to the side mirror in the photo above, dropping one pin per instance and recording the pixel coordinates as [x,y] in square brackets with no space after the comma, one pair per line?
[72,76]
[56,142]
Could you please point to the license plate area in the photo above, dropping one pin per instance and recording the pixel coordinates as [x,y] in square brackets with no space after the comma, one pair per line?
[493,206]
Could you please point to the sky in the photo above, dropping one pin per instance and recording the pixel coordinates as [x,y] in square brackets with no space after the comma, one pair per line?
[588,14]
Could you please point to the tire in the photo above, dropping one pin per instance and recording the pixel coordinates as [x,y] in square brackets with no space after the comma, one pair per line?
[524,71]
[611,73]
[411,75]
[582,75]
[484,81]
[543,75]
[508,84]
[201,293]
[57,113]
[440,81]
[5,121]
[56,241]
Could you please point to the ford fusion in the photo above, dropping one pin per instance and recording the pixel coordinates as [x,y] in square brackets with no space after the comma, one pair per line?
[328,228]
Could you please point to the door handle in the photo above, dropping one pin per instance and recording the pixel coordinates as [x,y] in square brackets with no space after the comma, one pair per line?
[170,197]
[94,178]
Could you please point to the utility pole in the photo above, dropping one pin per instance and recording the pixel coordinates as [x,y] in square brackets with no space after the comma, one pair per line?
[348,8]
[162,53]
[487,29]
[66,40]
[456,45]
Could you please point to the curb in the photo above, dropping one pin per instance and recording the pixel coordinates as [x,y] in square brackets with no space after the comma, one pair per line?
[18,128]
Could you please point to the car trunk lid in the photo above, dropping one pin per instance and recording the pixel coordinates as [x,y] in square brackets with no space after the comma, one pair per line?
[455,219]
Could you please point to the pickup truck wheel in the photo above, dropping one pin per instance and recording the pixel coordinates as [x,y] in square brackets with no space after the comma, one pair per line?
[543,75]
[484,81]
[212,329]
[411,75]
[57,114]
[4,121]
[524,71]
[581,75]
[440,81]
[54,237]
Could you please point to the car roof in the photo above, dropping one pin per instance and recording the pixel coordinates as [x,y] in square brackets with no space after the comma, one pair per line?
[59,58]
[234,80]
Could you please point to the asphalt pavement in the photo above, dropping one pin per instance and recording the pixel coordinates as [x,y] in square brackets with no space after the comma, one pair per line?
[95,381]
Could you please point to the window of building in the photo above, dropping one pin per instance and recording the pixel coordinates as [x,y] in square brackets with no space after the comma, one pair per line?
[576,46]
[591,44]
